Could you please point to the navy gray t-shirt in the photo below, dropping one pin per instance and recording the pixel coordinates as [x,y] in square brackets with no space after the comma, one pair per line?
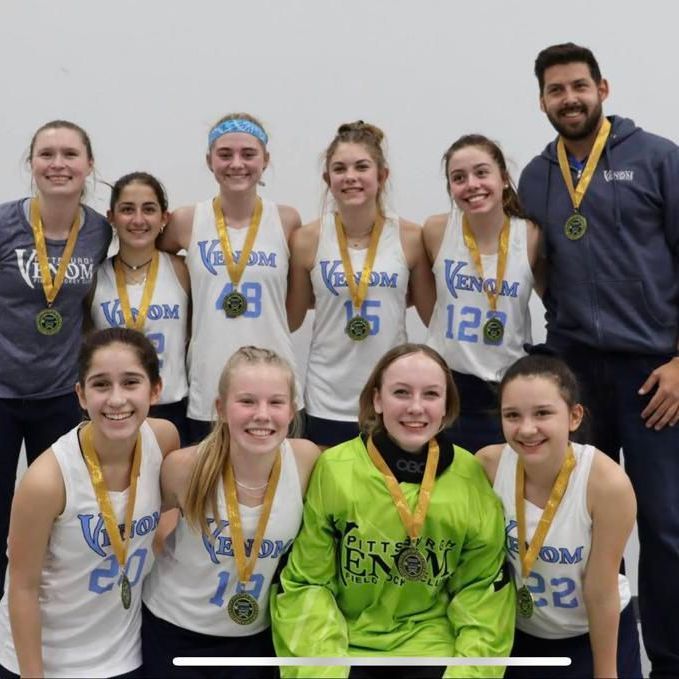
[33,365]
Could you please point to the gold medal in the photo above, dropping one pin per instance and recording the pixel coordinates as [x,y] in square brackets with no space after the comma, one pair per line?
[528,556]
[411,564]
[575,226]
[48,321]
[358,328]
[119,544]
[235,304]
[243,608]
[524,602]
[493,328]
[125,592]
[493,331]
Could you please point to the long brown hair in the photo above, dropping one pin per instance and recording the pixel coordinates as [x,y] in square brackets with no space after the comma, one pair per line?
[213,451]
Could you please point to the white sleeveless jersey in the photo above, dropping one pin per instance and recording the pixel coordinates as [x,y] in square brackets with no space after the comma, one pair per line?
[166,321]
[215,337]
[556,578]
[456,328]
[338,366]
[196,576]
[86,632]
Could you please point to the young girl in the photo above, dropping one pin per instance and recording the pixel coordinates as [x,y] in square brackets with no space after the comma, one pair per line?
[483,254]
[573,508]
[359,266]
[240,494]
[82,524]
[145,289]
[237,256]
[401,550]
[50,245]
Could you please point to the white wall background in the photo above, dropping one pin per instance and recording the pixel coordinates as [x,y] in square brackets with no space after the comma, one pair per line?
[147,80]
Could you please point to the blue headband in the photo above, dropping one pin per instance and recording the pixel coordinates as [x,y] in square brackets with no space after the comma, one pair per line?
[238,125]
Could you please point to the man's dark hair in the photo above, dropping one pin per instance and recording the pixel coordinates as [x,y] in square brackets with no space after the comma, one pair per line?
[566,53]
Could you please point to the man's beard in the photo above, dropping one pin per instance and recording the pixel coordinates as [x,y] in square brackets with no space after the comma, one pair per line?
[584,129]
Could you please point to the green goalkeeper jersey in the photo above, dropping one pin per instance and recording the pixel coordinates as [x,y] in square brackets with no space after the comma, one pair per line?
[342,592]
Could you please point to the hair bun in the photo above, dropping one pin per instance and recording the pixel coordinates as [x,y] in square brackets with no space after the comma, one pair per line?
[362,127]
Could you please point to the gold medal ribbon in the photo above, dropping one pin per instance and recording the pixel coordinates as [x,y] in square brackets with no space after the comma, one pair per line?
[358,292]
[244,566]
[527,558]
[236,270]
[578,193]
[412,522]
[118,544]
[147,294]
[52,287]
[502,250]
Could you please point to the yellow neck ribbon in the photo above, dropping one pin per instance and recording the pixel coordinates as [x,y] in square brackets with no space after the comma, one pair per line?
[358,292]
[234,269]
[527,558]
[118,544]
[502,250]
[412,522]
[146,297]
[578,193]
[243,566]
[49,286]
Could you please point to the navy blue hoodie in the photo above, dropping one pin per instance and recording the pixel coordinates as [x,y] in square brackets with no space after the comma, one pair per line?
[617,288]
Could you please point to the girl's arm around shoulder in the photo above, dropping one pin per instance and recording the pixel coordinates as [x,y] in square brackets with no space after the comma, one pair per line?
[177,233]
[38,501]
[489,457]
[306,453]
[612,506]
[421,286]
[181,271]
[536,256]
[175,475]
[432,234]
[300,297]
[290,220]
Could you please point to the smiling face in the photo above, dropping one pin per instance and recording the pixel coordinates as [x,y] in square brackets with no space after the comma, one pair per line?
[354,176]
[237,161]
[572,100]
[536,420]
[138,216]
[475,181]
[60,162]
[258,407]
[412,400]
[116,391]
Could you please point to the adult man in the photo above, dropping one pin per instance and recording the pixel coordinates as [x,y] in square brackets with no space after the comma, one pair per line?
[607,199]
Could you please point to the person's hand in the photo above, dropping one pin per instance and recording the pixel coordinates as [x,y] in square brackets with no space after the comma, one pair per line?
[663,408]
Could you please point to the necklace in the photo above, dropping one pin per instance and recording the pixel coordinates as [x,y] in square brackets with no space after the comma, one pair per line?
[356,240]
[242,485]
[134,267]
